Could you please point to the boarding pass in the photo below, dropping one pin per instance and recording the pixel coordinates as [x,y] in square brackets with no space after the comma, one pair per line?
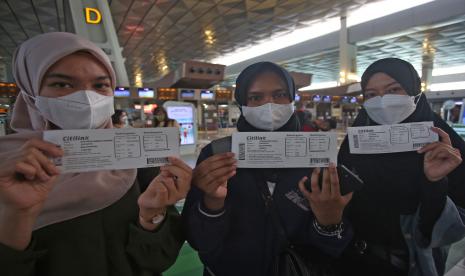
[390,138]
[113,149]
[284,149]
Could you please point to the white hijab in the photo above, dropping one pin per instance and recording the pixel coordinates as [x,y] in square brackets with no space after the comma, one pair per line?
[75,194]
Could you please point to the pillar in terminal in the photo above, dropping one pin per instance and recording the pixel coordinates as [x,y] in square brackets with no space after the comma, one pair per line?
[3,71]
[92,19]
[427,63]
[347,56]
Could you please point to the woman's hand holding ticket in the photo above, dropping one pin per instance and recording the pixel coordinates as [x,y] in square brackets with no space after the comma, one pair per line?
[212,175]
[170,186]
[440,157]
[27,175]
[326,202]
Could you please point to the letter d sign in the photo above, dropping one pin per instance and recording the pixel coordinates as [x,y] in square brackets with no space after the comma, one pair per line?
[97,18]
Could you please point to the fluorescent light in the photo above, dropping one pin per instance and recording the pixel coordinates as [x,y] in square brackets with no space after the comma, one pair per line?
[445,86]
[354,87]
[365,13]
[380,9]
[319,85]
[449,70]
[276,43]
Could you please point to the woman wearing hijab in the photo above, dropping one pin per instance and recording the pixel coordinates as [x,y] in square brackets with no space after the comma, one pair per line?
[94,223]
[225,213]
[160,118]
[120,119]
[410,207]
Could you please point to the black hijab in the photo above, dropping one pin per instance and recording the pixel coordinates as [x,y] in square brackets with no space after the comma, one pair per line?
[245,80]
[394,181]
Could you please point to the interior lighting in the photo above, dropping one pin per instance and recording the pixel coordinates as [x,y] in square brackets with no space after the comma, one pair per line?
[353,77]
[447,86]
[380,9]
[319,85]
[423,86]
[280,42]
[449,70]
[210,39]
[138,80]
[363,14]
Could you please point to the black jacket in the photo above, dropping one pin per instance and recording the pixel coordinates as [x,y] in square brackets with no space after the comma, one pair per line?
[243,241]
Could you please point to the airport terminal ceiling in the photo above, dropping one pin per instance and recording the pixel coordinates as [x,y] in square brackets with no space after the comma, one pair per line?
[158,35]
[447,39]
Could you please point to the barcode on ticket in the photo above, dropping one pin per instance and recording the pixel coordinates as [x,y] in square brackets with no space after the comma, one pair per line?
[355,141]
[241,151]
[156,160]
[319,160]
[419,145]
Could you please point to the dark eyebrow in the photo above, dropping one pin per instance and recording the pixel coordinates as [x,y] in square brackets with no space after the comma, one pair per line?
[58,75]
[63,76]
[274,91]
[392,83]
[255,92]
[102,78]
[387,85]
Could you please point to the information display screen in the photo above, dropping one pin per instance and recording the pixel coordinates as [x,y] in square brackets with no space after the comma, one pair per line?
[122,92]
[145,92]
[184,115]
[207,95]
[187,93]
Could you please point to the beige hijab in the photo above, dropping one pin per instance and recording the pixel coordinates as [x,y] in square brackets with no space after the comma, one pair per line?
[76,194]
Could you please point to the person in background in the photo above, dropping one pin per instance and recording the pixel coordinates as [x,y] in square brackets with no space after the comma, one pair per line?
[225,214]
[90,223]
[120,119]
[411,206]
[300,113]
[319,125]
[160,118]
[455,114]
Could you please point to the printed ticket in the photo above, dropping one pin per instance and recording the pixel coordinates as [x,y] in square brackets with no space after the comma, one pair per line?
[114,149]
[284,149]
[390,138]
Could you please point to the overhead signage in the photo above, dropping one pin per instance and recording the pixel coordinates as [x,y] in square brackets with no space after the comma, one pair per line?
[93,16]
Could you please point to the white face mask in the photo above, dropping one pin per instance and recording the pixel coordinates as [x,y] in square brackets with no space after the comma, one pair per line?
[269,116]
[390,109]
[125,120]
[83,109]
